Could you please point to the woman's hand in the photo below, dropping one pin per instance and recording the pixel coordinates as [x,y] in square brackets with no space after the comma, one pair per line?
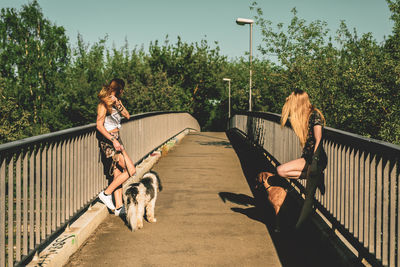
[117,145]
[113,99]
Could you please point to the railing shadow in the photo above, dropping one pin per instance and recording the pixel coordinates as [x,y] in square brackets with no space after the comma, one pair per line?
[294,248]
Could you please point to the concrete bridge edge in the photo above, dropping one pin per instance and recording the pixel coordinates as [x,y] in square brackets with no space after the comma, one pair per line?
[58,252]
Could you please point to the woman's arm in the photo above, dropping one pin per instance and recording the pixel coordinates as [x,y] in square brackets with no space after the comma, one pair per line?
[122,109]
[317,135]
[101,116]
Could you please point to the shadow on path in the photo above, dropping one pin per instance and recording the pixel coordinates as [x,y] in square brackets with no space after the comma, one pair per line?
[295,248]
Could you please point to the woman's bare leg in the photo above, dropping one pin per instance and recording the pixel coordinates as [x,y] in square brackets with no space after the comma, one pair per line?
[292,169]
[118,191]
[122,177]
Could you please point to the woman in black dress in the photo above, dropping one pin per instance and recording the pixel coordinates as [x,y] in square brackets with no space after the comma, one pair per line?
[307,122]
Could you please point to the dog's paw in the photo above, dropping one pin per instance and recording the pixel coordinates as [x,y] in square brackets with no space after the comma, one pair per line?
[140,225]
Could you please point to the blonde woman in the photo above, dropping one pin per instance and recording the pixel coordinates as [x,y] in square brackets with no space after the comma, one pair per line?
[110,111]
[307,122]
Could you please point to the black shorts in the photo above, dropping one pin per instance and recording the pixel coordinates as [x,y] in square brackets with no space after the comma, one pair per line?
[107,151]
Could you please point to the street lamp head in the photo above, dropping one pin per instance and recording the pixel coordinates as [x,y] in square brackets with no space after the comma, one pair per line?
[241,21]
[226,79]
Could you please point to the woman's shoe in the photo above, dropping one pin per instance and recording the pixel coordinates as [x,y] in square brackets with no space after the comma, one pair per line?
[107,200]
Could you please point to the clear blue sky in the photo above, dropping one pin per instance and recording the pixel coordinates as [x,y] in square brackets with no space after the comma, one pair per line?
[193,20]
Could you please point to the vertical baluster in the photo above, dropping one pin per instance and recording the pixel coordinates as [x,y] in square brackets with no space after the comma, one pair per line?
[67,179]
[367,214]
[386,216]
[336,183]
[361,178]
[58,182]
[351,189]
[49,186]
[10,225]
[356,178]
[72,174]
[379,206]
[372,205]
[2,210]
[396,168]
[334,180]
[78,178]
[25,202]
[343,189]
[83,166]
[90,165]
[54,187]
[38,180]
[328,176]
[94,161]
[63,183]
[86,168]
[75,194]
[32,198]
[44,189]
[81,183]
[97,166]
[136,139]
[394,212]
[18,208]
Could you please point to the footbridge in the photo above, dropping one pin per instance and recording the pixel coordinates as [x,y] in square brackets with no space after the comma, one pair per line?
[209,212]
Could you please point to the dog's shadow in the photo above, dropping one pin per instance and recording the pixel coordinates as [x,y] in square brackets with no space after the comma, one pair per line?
[253,212]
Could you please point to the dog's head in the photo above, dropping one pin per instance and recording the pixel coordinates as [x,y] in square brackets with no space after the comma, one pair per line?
[131,193]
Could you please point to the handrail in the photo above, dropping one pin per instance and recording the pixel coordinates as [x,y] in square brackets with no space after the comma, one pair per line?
[362,199]
[333,133]
[71,131]
[47,180]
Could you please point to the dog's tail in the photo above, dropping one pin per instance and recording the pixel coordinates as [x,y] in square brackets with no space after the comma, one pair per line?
[152,174]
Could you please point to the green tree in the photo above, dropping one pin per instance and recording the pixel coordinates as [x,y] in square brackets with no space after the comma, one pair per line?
[33,59]
[348,79]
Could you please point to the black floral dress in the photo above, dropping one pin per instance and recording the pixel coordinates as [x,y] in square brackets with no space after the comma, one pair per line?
[308,150]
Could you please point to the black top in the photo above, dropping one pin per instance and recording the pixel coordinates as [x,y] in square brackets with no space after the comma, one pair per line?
[308,150]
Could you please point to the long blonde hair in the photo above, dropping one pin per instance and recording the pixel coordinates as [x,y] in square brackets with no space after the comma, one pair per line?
[298,110]
[116,85]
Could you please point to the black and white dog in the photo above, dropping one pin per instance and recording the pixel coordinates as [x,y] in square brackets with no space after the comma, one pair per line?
[140,196]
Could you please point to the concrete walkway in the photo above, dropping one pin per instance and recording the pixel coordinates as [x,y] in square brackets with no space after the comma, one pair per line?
[200,218]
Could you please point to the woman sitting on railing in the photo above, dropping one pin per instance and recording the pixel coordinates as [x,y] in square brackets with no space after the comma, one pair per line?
[118,162]
[307,122]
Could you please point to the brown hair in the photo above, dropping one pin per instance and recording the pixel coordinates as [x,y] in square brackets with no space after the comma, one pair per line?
[298,109]
[116,85]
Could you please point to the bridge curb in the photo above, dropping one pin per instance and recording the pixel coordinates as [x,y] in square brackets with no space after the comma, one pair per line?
[61,249]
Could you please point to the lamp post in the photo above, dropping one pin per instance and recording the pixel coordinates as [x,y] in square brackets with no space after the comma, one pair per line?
[229,96]
[241,21]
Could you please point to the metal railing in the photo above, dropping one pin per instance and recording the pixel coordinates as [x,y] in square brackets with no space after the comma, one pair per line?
[47,180]
[361,202]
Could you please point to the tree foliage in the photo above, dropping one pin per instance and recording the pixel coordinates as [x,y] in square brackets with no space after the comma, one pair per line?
[48,84]
[352,78]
